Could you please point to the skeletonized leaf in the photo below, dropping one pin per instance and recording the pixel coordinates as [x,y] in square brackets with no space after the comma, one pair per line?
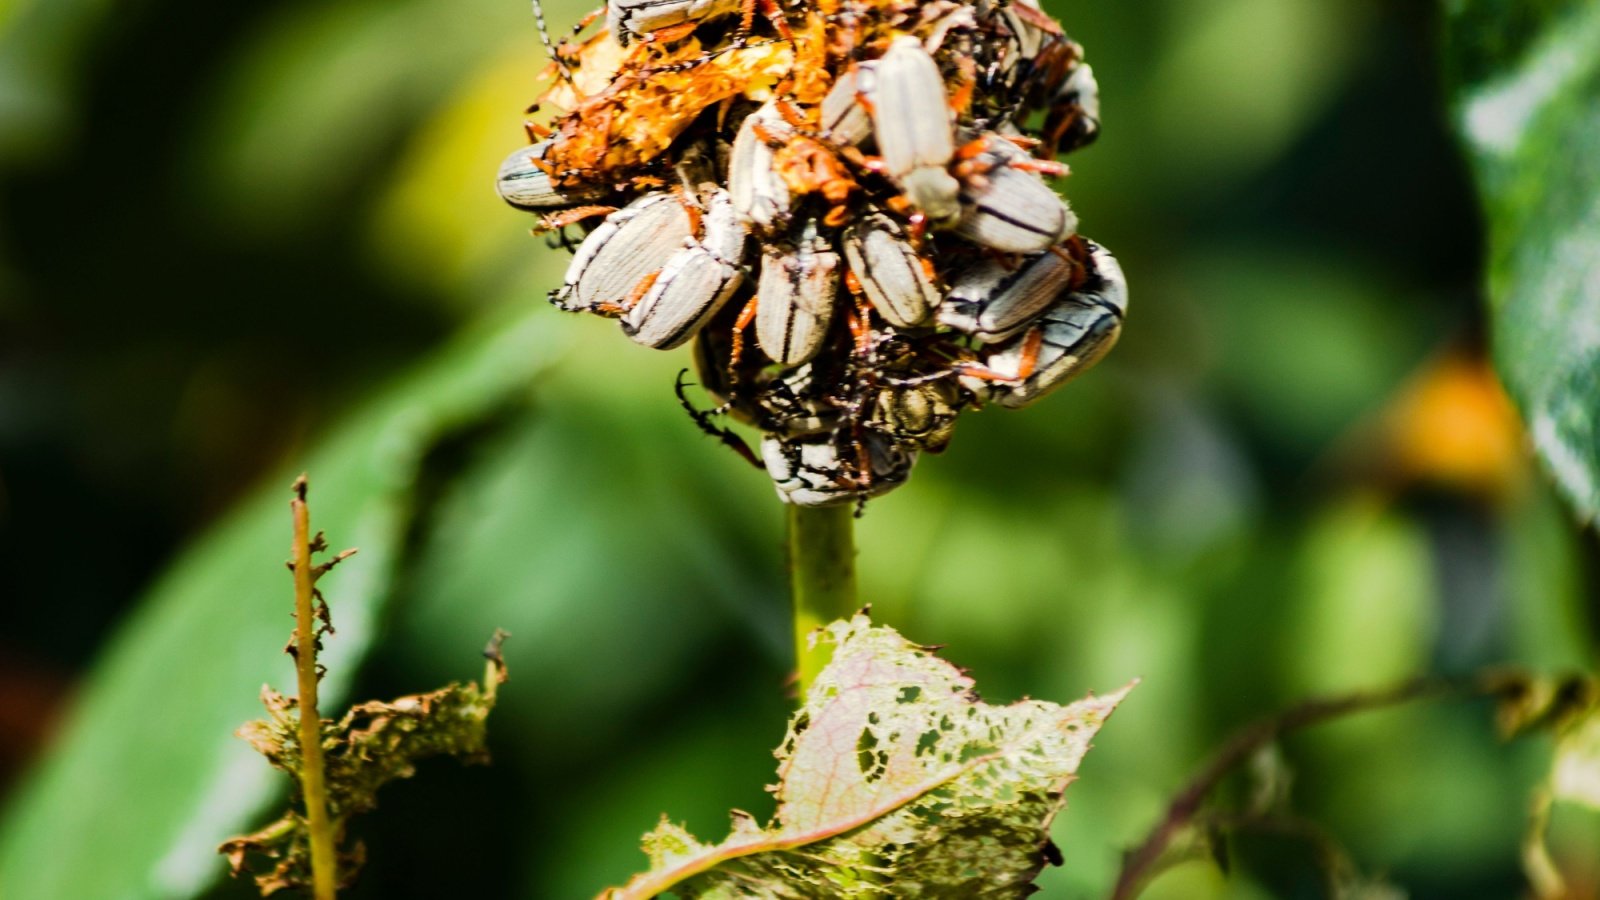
[893,772]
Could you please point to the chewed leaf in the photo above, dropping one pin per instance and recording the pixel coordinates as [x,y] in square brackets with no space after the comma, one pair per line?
[373,744]
[892,773]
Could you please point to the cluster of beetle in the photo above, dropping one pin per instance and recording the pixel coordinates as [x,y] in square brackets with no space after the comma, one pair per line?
[862,181]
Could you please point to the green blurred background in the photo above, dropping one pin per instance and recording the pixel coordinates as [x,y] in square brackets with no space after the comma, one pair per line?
[226,228]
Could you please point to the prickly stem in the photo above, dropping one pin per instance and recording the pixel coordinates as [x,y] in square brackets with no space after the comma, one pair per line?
[324,858]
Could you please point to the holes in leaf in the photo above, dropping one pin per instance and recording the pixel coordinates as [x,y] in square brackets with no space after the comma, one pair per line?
[872,761]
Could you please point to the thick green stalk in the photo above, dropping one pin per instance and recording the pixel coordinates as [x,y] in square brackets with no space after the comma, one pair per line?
[822,579]
[324,858]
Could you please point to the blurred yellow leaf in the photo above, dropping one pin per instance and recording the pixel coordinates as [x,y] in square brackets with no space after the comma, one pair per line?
[1453,425]
[441,220]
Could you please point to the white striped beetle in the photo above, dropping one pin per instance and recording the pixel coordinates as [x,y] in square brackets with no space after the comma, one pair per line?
[795,295]
[911,122]
[694,283]
[1072,335]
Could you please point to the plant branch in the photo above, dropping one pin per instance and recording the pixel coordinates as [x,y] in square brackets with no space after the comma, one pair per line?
[324,858]
[1139,865]
[822,580]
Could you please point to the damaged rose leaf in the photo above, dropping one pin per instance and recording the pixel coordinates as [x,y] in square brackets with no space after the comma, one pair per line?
[893,772]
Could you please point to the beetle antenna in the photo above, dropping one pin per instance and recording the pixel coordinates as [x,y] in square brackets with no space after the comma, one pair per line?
[549,45]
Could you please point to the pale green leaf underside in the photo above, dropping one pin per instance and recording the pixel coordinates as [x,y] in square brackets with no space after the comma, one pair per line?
[1527,84]
[892,773]
[1576,776]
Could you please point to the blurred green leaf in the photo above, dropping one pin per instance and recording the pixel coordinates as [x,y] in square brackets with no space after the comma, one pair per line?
[1527,84]
[1364,611]
[39,43]
[326,97]
[147,776]
[1242,77]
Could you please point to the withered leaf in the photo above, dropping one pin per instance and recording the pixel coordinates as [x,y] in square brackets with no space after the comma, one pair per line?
[373,744]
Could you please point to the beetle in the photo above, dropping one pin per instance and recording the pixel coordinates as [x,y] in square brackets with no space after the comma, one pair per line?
[1073,120]
[634,18]
[911,122]
[795,295]
[844,118]
[629,247]
[812,471]
[898,281]
[760,195]
[524,182]
[628,19]
[1072,335]
[1005,205]
[1048,70]
[694,283]
[994,298]
[920,414]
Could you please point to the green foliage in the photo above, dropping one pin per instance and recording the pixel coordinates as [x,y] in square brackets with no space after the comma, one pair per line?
[893,772]
[1569,709]
[1186,517]
[158,713]
[1527,81]
[373,744]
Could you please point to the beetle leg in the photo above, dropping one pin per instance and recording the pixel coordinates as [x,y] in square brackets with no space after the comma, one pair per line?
[703,420]
[790,113]
[767,8]
[736,353]
[983,373]
[560,220]
[1047,167]
[1030,352]
[966,84]
[588,19]
[697,226]
[635,294]
[774,12]
[873,164]
[672,32]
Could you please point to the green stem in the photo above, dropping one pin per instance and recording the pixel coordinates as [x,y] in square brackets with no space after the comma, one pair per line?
[822,579]
[324,859]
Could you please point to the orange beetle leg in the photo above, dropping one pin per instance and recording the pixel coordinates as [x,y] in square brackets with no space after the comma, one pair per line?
[746,316]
